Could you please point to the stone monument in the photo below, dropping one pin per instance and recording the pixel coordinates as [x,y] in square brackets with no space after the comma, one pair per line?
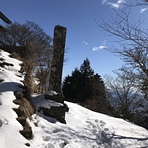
[57,58]
[55,78]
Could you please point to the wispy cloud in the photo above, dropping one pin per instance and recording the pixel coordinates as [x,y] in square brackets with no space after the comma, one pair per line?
[84,42]
[142,10]
[100,47]
[114,5]
[104,1]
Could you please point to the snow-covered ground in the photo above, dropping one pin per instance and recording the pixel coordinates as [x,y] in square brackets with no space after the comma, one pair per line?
[84,128]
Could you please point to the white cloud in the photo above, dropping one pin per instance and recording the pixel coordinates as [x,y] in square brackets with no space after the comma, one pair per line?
[102,47]
[120,1]
[142,10]
[99,48]
[84,42]
[95,48]
[114,5]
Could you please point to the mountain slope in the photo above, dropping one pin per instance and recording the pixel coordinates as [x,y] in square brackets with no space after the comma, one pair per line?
[84,128]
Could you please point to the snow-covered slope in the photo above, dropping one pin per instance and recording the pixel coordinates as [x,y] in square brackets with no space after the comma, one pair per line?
[84,128]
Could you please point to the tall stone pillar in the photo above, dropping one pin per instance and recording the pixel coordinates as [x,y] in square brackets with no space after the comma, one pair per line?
[57,58]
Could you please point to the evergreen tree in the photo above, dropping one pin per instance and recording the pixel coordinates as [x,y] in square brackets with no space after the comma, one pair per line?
[86,88]
[73,86]
[86,69]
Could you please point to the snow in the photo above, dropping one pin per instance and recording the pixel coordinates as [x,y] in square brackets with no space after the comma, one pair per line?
[51,93]
[83,128]
[39,101]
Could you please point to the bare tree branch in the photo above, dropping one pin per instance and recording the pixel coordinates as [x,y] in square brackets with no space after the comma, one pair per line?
[133,40]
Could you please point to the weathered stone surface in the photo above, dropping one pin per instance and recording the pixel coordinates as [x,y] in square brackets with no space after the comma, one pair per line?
[5,64]
[25,105]
[66,108]
[27,133]
[55,112]
[24,111]
[57,59]
[19,95]
[21,120]
[27,108]
[27,130]
[57,98]
[1,80]
[16,101]
[19,112]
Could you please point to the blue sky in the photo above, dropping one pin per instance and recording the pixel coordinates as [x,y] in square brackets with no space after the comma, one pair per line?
[84,37]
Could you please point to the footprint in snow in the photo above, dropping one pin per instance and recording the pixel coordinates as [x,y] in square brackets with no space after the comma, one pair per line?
[56,130]
[107,133]
[101,129]
[49,145]
[46,138]
[102,123]
[1,123]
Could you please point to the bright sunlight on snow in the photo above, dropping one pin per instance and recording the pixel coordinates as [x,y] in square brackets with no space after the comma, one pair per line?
[83,128]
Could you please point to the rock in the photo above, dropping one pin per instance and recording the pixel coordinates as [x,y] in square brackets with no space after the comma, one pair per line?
[55,112]
[27,133]
[1,80]
[16,101]
[57,98]
[19,95]
[27,130]
[66,108]
[5,64]
[27,144]
[22,121]
[19,112]
[25,105]
[25,110]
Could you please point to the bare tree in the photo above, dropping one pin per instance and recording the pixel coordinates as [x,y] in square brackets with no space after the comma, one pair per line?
[122,92]
[137,3]
[133,41]
[35,51]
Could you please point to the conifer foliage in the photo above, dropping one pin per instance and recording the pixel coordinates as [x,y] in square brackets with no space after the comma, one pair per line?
[86,88]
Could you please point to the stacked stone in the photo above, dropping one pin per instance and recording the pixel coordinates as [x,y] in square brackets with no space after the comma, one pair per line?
[57,112]
[55,78]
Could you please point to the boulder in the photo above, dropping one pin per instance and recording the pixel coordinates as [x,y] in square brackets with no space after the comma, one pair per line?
[57,98]
[57,112]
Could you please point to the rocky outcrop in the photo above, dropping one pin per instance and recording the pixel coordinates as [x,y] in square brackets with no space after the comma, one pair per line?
[24,111]
[54,111]
[57,98]
[25,105]
[57,112]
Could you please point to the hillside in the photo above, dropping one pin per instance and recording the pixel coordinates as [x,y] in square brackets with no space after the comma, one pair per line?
[83,128]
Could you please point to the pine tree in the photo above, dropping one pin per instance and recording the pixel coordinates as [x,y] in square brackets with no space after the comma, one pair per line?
[73,86]
[86,69]
[86,88]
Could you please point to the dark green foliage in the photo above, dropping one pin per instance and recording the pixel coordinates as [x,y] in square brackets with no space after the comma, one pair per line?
[86,69]
[86,88]
[73,87]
